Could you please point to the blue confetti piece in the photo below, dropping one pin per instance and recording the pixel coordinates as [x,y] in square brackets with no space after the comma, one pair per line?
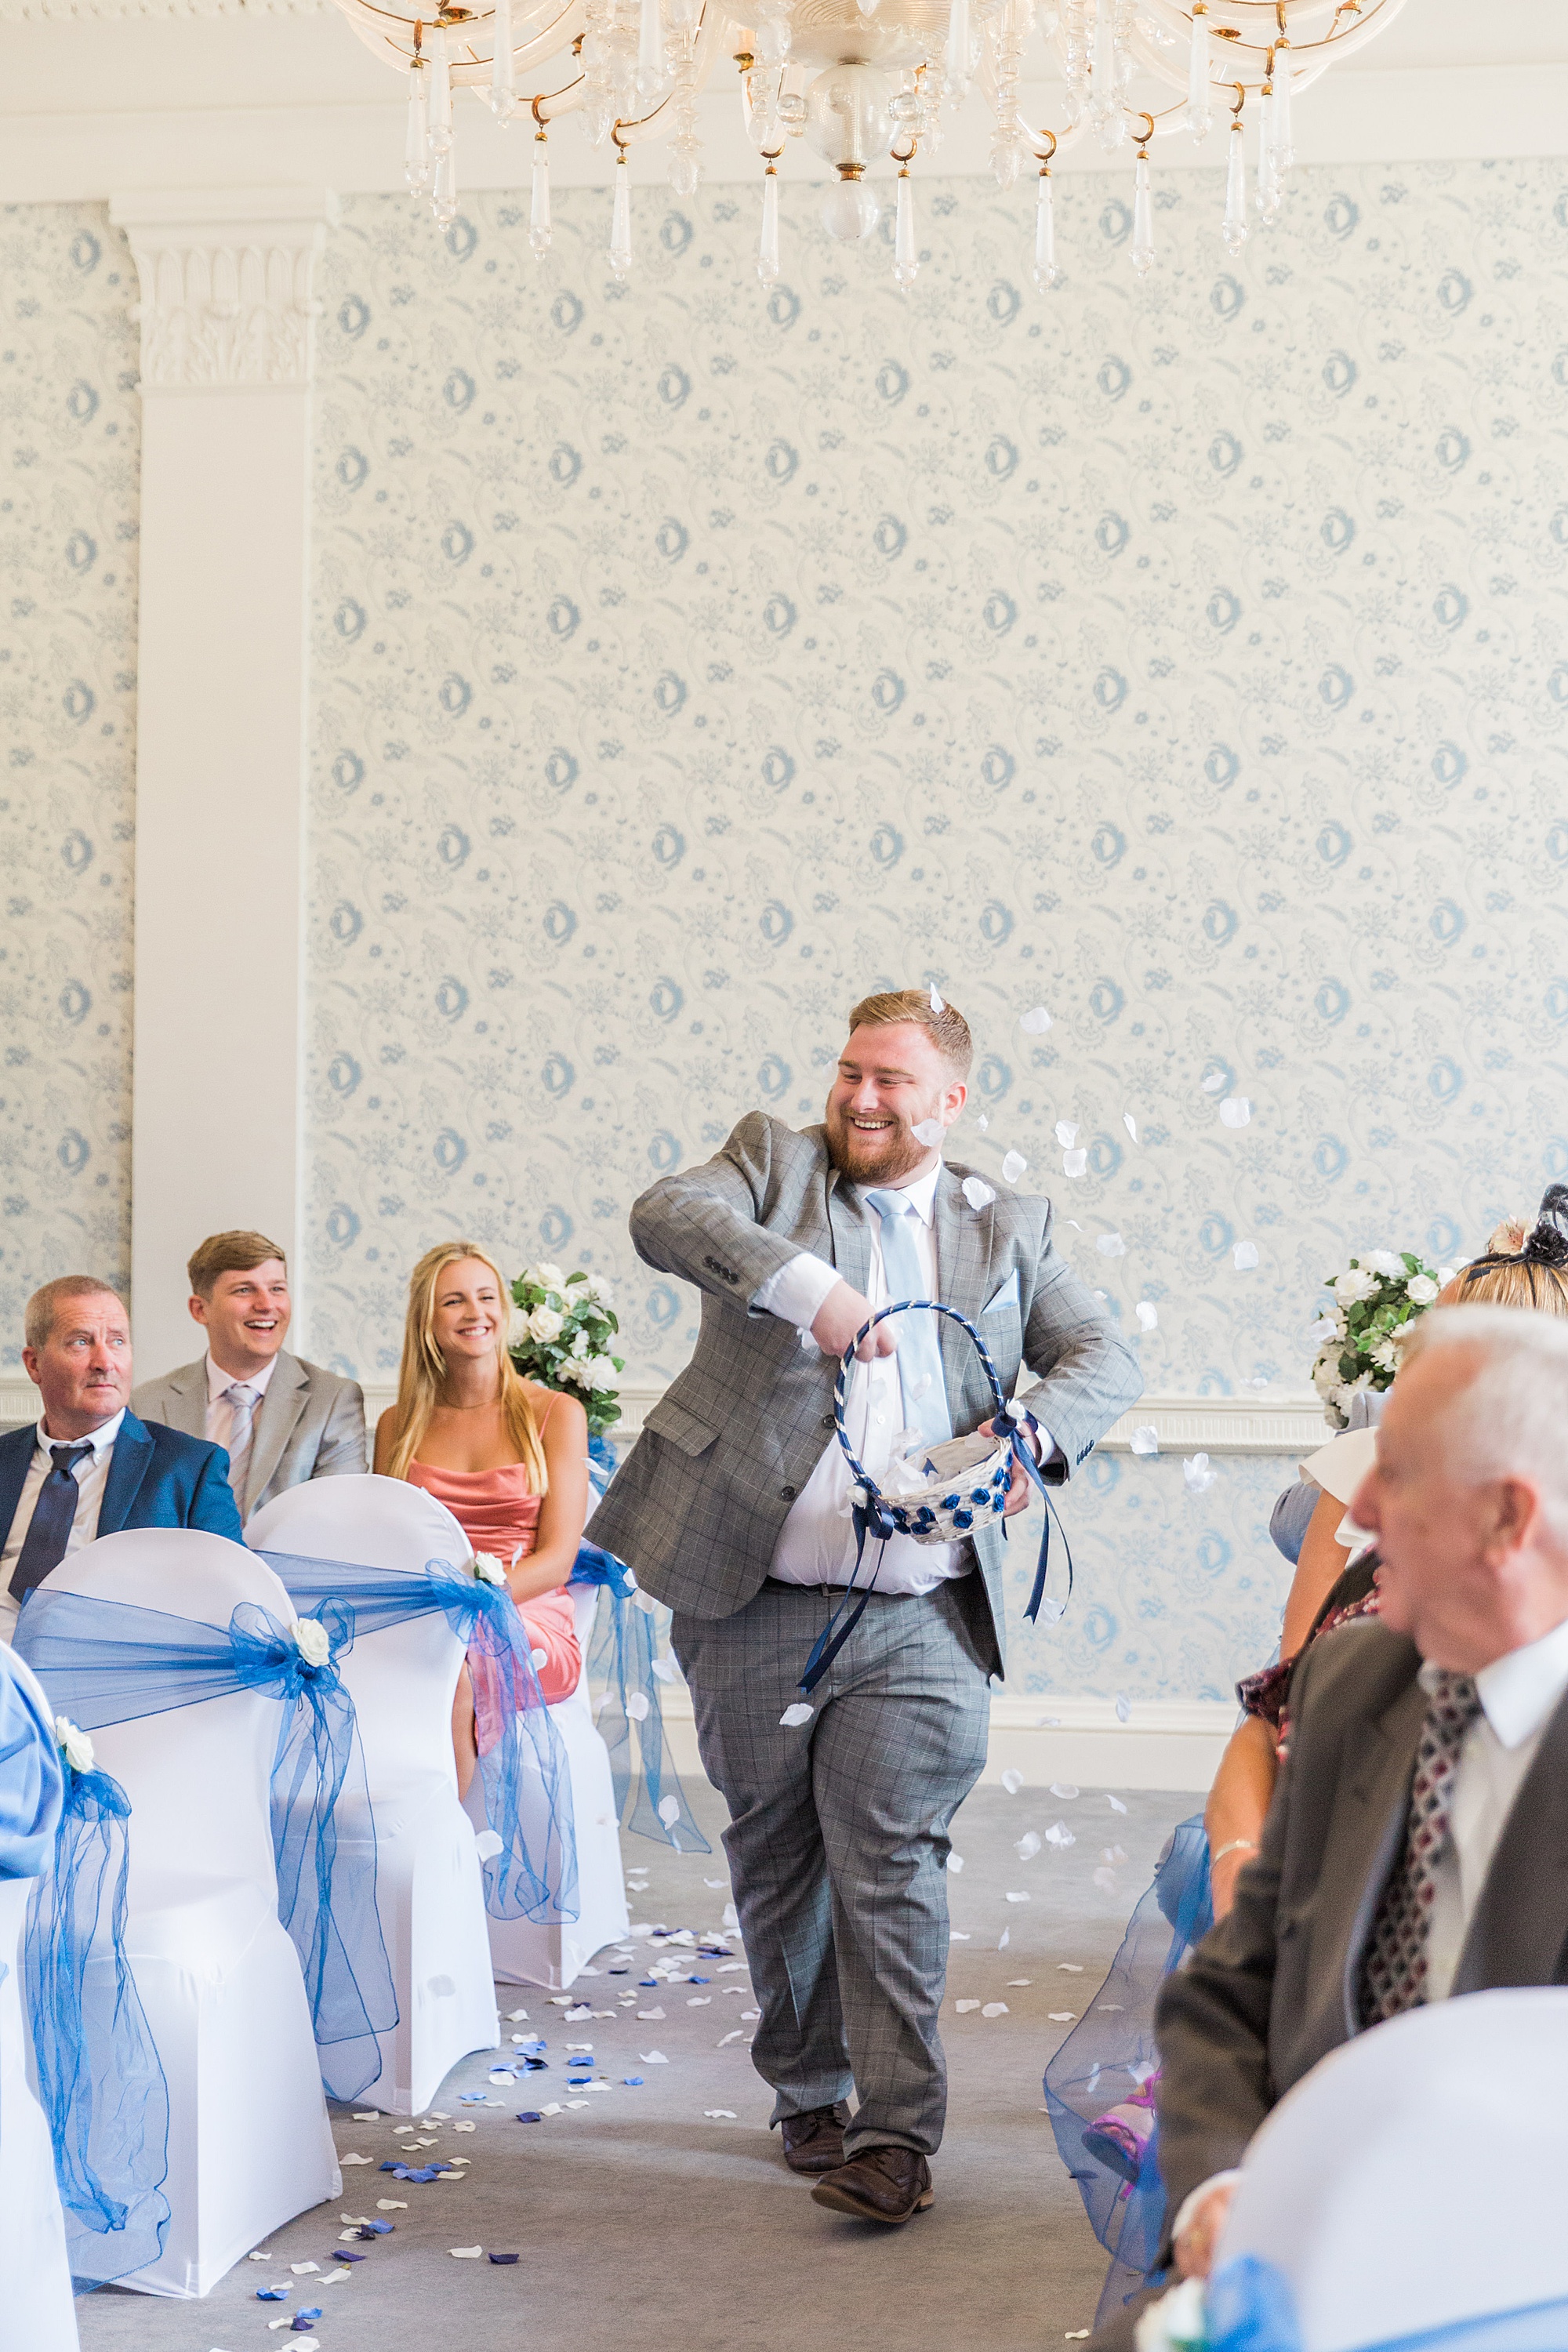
[650,1983]
[503,2258]
[470,2098]
[343,2256]
[271,2293]
[391,2165]
[530,2116]
[376,2229]
[632,2081]
[305,2316]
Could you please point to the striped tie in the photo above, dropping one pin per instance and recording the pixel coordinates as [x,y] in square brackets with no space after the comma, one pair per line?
[1394,1967]
[242,1401]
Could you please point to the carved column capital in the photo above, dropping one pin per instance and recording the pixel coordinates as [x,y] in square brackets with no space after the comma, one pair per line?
[225,274]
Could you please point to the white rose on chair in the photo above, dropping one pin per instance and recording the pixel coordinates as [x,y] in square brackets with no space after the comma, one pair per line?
[311,1639]
[544,1323]
[488,1568]
[75,1746]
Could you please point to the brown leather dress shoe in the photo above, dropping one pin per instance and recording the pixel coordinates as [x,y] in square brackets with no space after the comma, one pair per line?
[812,2142]
[880,2184]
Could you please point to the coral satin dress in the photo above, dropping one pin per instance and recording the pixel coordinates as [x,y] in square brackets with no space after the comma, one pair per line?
[498,1514]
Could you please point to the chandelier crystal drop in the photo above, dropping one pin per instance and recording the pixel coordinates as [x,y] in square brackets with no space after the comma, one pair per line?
[868,84]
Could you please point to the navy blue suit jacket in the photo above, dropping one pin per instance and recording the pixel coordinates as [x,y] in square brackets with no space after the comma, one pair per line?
[158,1477]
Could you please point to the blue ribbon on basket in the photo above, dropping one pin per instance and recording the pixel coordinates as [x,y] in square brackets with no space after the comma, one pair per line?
[872,1515]
[105,1662]
[101,2083]
[522,1769]
[622,1658]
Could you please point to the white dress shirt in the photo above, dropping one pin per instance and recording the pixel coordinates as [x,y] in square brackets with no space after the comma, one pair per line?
[220,1412]
[91,1476]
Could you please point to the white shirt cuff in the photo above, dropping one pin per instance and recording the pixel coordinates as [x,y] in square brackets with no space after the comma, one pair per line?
[796,1293]
[1195,2198]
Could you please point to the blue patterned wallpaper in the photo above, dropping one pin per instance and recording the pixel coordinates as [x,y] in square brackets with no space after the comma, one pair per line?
[70,440]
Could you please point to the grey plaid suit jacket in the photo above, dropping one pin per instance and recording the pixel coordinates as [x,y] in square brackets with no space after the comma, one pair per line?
[698,1506]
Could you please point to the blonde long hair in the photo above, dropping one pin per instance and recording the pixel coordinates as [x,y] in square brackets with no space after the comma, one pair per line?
[422,1374]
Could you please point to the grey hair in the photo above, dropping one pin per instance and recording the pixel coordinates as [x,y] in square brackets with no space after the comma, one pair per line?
[1509,1418]
[39,1322]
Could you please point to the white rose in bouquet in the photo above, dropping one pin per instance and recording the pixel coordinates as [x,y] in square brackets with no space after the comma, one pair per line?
[1421,1290]
[602,1372]
[1386,1263]
[1385,1356]
[549,1276]
[545,1324]
[1354,1285]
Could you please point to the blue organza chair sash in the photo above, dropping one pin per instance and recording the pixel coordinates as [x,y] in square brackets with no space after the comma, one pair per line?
[100,2084]
[623,1658]
[522,1762]
[105,1662]
[1248,2306]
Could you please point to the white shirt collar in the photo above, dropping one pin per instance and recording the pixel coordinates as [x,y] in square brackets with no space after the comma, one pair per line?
[219,1382]
[921,1195]
[1519,1690]
[99,1438]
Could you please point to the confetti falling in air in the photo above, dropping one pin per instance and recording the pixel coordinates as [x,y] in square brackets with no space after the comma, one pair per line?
[1012,1781]
[1036,1022]
[1245,1256]
[1028,1846]
[1013,1167]
[928,1131]
[1130,1124]
[1110,1245]
[1004,1939]
[955,1863]
[669,1811]
[982,1122]
[1213,1083]
[1064,1789]
[637,1706]
[1060,1836]
[1105,1880]
[1113,1853]
[978,1195]
[1074,1163]
[936,1003]
[1067,1133]
[1115,1802]
[1123,1712]
[1145,1438]
[795,1714]
[1198,1474]
[1235,1111]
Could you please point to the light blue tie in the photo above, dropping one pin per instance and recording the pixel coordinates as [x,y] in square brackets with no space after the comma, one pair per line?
[920,1347]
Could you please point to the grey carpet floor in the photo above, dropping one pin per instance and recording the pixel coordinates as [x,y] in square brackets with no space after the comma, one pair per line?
[643,2221]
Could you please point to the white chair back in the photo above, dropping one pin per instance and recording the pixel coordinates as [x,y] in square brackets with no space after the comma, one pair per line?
[402,1678]
[197,1778]
[1413,2178]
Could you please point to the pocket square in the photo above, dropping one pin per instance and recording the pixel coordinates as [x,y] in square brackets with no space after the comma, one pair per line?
[1006,1296]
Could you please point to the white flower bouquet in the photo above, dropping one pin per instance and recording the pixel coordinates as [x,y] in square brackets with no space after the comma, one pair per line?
[562,1328]
[1373,1298]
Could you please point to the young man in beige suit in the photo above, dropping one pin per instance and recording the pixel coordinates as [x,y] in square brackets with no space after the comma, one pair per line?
[279,1419]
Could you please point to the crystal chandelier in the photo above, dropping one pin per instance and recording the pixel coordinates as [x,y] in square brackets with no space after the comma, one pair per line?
[863,80]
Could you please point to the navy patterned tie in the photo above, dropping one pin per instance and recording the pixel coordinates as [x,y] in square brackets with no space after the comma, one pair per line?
[1394,1967]
[44,1545]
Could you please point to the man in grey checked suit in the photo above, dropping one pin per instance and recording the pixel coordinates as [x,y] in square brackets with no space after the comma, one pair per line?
[734,1508]
[279,1419]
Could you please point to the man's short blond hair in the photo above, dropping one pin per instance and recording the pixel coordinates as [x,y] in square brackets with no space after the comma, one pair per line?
[39,1322]
[948,1030]
[235,1253]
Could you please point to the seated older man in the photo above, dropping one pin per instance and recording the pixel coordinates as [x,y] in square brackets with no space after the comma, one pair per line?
[1414,1849]
[88,1467]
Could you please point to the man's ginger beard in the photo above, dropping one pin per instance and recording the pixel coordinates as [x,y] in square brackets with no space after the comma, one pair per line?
[878,1159]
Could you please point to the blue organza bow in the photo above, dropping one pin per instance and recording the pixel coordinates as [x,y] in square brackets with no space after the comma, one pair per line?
[105,1662]
[100,2084]
[622,1658]
[1249,2307]
[522,1762]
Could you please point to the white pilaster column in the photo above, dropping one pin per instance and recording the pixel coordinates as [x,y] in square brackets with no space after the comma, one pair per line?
[228,346]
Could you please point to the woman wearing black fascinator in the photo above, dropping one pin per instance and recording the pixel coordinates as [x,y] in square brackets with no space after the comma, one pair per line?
[1520,1268]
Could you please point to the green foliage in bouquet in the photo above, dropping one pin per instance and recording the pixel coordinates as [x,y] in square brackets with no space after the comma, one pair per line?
[561,1336]
[1373,1298]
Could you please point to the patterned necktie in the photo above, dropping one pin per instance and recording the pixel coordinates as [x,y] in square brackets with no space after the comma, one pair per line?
[920,1348]
[44,1545]
[1394,1967]
[242,1401]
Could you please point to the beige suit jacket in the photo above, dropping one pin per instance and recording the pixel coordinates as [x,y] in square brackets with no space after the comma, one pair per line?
[311,1423]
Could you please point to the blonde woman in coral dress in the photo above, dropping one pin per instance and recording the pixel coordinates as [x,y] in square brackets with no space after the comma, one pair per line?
[509,1459]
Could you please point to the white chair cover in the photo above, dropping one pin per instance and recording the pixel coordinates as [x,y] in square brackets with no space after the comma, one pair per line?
[1415,2178]
[521,1952]
[249,2140]
[35,2277]
[402,1679]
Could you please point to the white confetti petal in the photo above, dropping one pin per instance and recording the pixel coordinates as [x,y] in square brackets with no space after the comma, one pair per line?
[669,1810]
[1235,1111]
[1107,1880]
[738,2035]
[1198,1474]
[653,2058]
[982,1122]
[1061,2016]
[649,2016]
[1059,1835]
[1213,1083]
[1017,1984]
[1013,1167]
[356,2160]
[303,2270]
[720,2115]
[1123,1706]
[1130,1124]
[470,2253]
[1113,1853]
[963,2007]
[637,1706]
[1004,1939]
[994,2009]
[1110,1245]
[1019,1897]
[955,1863]
[392,2204]
[1075,1163]
[1069,1968]
[1116,1804]
[795,1713]
[978,1195]
[1067,1133]
[665,1673]
[936,1003]
[1012,1781]
[1028,1846]
[1148,1316]
[1246,1256]
[1145,1438]
[929,1131]
[1036,1022]
[1065,1789]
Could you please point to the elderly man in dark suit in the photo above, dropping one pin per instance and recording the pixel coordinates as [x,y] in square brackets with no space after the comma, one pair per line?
[735,1508]
[1416,1848]
[88,1466]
